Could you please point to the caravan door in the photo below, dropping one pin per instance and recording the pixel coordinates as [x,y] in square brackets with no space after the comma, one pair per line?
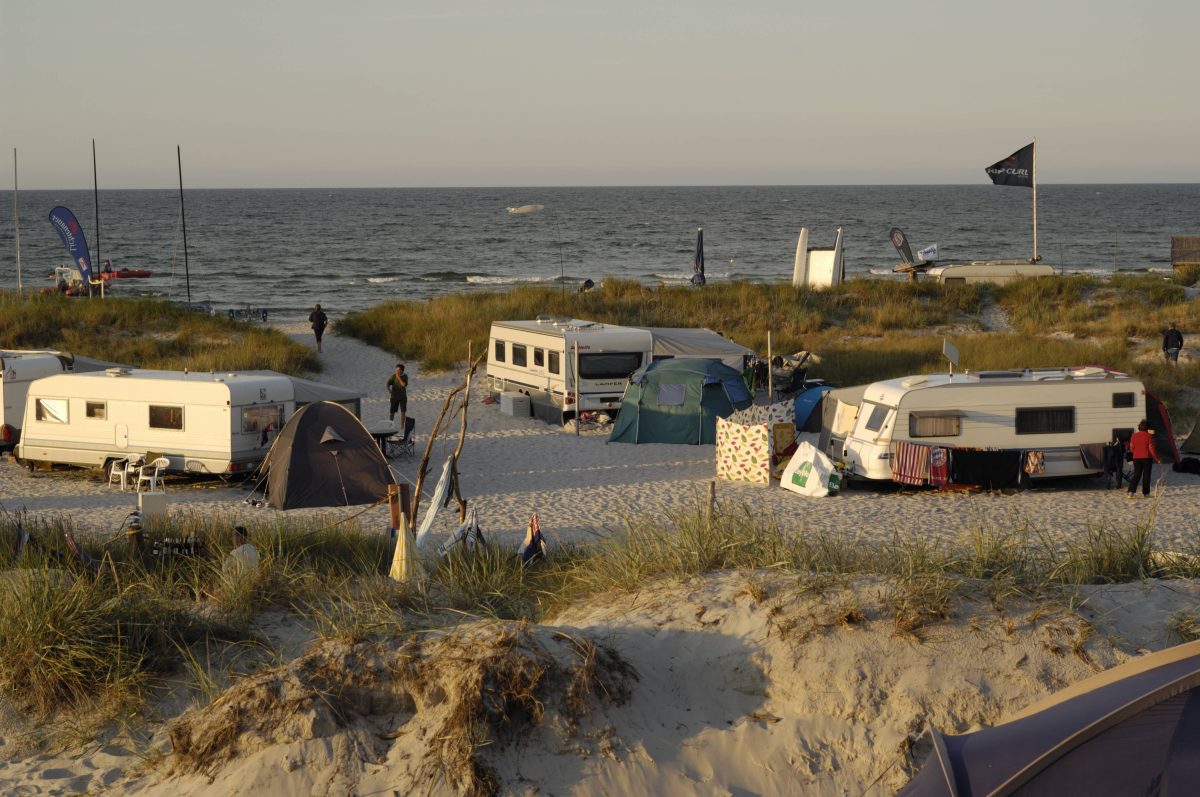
[121,436]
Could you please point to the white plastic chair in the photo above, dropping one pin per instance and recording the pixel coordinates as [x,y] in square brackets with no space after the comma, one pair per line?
[122,470]
[150,474]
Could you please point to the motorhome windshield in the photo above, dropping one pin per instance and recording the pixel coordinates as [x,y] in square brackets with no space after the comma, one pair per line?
[609,365]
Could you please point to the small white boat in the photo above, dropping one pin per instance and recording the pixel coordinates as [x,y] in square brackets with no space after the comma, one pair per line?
[523,209]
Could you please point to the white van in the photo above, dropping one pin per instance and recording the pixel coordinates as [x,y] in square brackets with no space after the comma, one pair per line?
[1052,410]
[538,357]
[202,422]
[18,369]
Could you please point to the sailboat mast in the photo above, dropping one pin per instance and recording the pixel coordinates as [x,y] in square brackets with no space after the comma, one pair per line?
[16,221]
[1035,254]
[96,201]
[183,221]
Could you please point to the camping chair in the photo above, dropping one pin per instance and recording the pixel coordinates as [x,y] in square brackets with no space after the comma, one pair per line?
[122,470]
[151,473]
[403,446]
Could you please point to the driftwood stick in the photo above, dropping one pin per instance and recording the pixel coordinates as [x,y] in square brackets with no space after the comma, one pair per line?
[423,468]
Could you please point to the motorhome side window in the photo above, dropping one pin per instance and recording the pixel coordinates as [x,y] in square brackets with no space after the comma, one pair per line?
[163,417]
[263,416]
[1124,400]
[520,357]
[539,358]
[609,365]
[554,363]
[878,415]
[933,425]
[51,410]
[499,353]
[97,410]
[1045,420]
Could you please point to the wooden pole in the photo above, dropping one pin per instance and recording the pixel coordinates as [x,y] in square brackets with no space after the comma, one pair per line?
[393,499]
[17,222]
[1035,254]
[183,221]
[423,467]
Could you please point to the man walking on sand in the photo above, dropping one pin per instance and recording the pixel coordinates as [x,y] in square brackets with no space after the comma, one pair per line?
[319,321]
[1141,446]
[1172,343]
[397,387]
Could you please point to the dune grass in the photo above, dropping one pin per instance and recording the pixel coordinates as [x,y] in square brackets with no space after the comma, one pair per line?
[742,311]
[98,642]
[146,333]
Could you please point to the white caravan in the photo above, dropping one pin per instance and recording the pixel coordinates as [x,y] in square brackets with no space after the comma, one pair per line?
[1052,410]
[539,357]
[202,422]
[993,271]
[18,369]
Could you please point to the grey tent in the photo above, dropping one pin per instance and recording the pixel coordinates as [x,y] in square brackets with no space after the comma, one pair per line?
[1134,729]
[308,391]
[324,456]
[678,401]
[668,342]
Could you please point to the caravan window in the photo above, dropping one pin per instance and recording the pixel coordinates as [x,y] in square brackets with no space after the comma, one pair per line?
[539,358]
[51,410]
[499,353]
[96,409]
[520,355]
[1045,420]
[554,363]
[609,365]
[162,417]
[263,416]
[878,415]
[1124,400]
[935,424]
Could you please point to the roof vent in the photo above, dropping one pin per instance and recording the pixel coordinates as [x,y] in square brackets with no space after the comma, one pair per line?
[118,371]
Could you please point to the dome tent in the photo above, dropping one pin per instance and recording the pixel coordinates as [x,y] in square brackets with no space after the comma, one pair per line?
[679,401]
[1133,729]
[324,456]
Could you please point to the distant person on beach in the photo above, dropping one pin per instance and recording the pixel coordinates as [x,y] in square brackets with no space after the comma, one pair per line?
[319,321]
[397,387]
[1141,446]
[107,268]
[1172,343]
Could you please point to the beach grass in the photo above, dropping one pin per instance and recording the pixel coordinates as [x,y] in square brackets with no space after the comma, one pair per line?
[99,641]
[147,333]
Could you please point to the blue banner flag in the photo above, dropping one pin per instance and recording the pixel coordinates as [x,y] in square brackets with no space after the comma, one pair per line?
[698,259]
[68,229]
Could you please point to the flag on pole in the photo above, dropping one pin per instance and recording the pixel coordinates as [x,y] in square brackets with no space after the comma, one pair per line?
[698,259]
[928,254]
[1016,169]
[68,229]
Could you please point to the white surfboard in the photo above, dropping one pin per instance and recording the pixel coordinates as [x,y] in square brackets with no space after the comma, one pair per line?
[839,268]
[800,269]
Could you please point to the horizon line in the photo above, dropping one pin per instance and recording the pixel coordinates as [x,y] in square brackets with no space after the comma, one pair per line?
[578,186]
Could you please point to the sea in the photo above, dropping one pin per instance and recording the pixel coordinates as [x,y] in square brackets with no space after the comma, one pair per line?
[285,250]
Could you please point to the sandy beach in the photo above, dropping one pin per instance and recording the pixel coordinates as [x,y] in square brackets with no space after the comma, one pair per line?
[725,701]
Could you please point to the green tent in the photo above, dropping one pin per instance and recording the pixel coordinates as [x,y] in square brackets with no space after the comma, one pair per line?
[679,401]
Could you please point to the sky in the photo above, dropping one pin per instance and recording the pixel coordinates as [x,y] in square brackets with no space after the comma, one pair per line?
[400,93]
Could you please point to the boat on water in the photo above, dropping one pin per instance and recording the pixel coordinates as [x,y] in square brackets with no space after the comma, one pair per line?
[126,273]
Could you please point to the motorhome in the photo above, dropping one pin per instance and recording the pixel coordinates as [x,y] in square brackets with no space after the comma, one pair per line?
[218,423]
[1054,411]
[18,369]
[539,358]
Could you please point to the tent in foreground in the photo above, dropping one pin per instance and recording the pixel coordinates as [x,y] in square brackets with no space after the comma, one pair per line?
[679,401]
[324,456]
[1134,729]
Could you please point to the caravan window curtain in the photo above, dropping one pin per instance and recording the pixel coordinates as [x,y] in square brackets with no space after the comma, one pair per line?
[1045,420]
[51,410]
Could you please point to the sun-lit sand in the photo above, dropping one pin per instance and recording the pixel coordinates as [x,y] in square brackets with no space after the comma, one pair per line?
[745,683]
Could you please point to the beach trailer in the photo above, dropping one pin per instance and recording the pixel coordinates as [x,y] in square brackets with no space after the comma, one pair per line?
[539,358]
[997,272]
[220,423]
[18,370]
[1062,414]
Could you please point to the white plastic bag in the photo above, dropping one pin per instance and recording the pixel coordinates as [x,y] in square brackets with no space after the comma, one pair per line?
[809,473]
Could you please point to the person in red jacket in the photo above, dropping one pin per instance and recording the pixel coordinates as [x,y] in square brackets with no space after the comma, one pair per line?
[1141,446]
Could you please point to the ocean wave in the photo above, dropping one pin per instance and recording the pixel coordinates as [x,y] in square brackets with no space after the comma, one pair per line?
[381,279]
[486,279]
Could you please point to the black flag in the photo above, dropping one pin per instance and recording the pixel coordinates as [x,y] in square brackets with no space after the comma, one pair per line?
[1016,169]
[698,259]
[900,241]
